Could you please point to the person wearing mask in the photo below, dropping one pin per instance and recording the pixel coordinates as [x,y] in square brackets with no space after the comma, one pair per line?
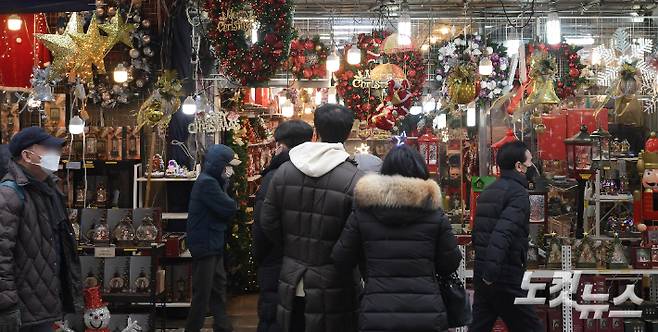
[305,210]
[39,266]
[211,210]
[287,135]
[401,237]
[500,239]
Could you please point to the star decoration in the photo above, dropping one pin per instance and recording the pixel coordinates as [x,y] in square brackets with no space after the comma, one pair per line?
[119,31]
[363,149]
[62,46]
[92,48]
[400,139]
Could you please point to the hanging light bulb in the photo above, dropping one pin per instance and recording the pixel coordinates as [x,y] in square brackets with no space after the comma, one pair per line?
[14,22]
[353,55]
[596,57]
[282,100]
[441,121]
[471,115]
[429,104]
[189,106]
[333,61]
[318,98]
[120,73]
[404,25]
[486,66]
[254,33]
[553,29]
[416,109]
[287,109]
[331,95]
[76,125]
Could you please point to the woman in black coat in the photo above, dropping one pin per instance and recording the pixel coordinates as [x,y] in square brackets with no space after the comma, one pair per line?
[402,239]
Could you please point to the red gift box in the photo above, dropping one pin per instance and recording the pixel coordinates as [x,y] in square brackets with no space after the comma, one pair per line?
[551,142]
[578,117]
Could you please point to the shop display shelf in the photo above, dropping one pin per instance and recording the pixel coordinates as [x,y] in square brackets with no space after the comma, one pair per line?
[121,251]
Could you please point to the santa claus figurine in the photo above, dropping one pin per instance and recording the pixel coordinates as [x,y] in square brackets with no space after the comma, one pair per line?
[645,211]
[97,316]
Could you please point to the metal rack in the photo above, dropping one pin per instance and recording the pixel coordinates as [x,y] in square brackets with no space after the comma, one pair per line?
[617,201]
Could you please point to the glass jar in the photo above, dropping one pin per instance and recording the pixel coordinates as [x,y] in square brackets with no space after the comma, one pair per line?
[91,280]
[101,196]
[117,283]
[147,232]
[101,233]
[124,232]
[142,283]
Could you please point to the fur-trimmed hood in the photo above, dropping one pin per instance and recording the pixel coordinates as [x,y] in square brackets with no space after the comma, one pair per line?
[397,192]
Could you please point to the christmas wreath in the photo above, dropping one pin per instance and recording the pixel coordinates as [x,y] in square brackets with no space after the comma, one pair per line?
[568,75]
[469,50]
[363,101]
[250,64]
[308,58]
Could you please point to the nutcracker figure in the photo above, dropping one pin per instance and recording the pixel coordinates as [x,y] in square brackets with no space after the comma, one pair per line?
[645,207]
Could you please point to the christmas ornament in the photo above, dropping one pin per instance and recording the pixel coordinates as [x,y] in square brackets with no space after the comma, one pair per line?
[228,28]
[63,47]
[132,326]
[161,105]
[119,31]
[542,70]
[567,69]
[308,58]
[96,315]
[91,50]
[42,89]
[461,84]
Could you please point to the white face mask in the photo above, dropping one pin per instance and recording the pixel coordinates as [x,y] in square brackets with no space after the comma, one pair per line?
[228,171]
[49,161]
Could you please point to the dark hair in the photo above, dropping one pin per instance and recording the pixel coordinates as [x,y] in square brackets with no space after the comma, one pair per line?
[333,123]
[511,153]
[406,161]
[293,132]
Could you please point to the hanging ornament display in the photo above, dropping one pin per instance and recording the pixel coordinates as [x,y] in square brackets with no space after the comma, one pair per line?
[231,20]
[461,84]
[542,72]
[308,58]
[471,49]
[62,46]
[91,50]
[362,93]
[569,75]
[119,31]
[161,105]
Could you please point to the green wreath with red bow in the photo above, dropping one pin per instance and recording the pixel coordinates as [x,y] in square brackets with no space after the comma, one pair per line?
[361,100]
[251,64]
[308,58]
[569,76]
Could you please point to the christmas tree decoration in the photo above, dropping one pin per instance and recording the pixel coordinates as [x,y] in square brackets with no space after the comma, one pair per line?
[119,31]
[91,50]
[232,21]
[542,71]
[63,47]
[308,58]
[96,315]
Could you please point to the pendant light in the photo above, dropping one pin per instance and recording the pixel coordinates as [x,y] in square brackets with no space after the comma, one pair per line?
[404,25]
[120,73]
[353,55]
[14,22]
[416,109]
[76,125]
[287,109]
[331,95]
[486,66]
[189,106]
[333,61]
[429,104]
[553,29]
[471,115]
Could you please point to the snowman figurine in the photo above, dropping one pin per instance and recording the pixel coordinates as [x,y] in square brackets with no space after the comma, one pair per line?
[97,316]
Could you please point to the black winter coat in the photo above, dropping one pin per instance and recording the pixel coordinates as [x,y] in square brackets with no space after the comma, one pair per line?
[268,256]
[211,208]
[403,239]
[33,278]
[500,233]
[306,215]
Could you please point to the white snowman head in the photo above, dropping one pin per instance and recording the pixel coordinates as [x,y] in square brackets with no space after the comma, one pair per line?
[98,318]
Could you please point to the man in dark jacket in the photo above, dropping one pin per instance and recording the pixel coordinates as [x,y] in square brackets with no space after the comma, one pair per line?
[211,210]
[287,135]
[500,237]
[39,267]
[305,210]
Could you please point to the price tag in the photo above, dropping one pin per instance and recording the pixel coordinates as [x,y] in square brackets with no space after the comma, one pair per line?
[104,252]
[74,165]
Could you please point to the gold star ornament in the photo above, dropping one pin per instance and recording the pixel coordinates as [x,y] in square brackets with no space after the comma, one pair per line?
[91,50]
[119,31]
[62,46]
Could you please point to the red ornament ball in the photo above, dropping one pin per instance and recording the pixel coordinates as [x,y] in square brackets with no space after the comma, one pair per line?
[573,72]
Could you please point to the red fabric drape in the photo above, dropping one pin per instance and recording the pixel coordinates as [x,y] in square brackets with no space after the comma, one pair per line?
[17,50]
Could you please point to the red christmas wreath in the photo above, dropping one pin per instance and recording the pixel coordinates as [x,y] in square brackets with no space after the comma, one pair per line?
[361,100]
[568,78]
[258,62]
[308,58]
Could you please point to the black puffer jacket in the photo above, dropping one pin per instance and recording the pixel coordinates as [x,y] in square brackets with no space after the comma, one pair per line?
[500,234]
[307,205]
[30,277]
[399,231]
[268,256]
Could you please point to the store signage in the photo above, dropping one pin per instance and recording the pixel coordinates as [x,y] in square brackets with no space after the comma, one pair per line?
[362,80]
[235,20]
[214,122]
[105,252]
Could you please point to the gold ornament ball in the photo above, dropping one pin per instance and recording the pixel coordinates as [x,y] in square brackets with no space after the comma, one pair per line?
[146,23]
[134,53]
[154,115]
[318,48]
